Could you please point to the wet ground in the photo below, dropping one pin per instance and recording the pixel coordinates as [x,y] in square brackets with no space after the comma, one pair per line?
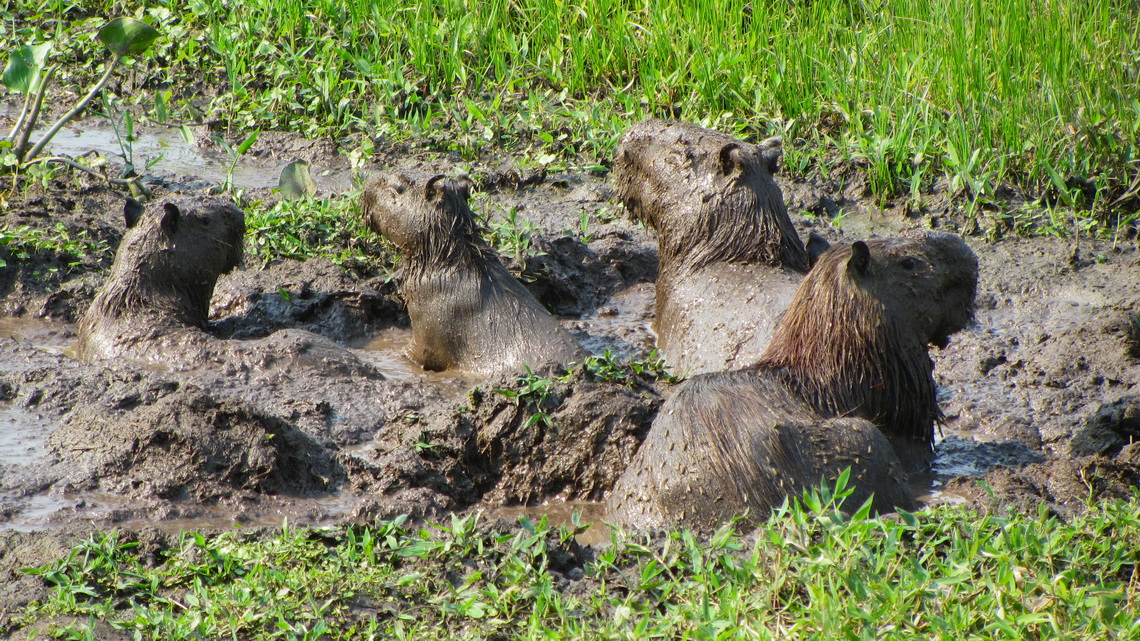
[1041,395]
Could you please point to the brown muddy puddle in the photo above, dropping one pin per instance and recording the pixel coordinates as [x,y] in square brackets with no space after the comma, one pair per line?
[50,336]
[386,352]
[623,322]
[559,513]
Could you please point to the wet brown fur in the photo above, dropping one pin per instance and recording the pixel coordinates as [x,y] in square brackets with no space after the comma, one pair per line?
[155,305]
[847,368]
[855,343]
[163,276]
[468,312]
[730,258]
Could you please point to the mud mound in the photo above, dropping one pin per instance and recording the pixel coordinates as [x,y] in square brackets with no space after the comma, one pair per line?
[1063,485]
[1113,428]
[314,295]
[493,448]
[593,431]
[572,278]
[55,281]
[190,446]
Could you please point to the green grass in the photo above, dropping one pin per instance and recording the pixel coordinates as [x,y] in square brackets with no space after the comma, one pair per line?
[538,393]
[25,242]
[1041,96]
[809,573]
[331,228]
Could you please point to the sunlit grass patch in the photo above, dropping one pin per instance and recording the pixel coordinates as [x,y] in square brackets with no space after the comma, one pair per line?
[331,228]
[24,242]
[1042,96]
[810,572]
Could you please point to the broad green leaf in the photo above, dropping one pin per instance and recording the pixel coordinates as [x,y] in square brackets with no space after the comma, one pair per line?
[296,181]
[25,68]
[247,143]
[127,36]
[225,145]
[161,106]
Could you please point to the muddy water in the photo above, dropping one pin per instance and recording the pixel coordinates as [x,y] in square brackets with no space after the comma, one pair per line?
[386,352]
[624,325]
[559,513]
[49,336]
[23,448]
[173,157]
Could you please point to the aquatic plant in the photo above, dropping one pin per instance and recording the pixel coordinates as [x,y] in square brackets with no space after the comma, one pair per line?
[29,74]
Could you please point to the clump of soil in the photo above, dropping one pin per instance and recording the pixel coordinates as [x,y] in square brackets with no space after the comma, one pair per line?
[188,445]
[314,295]
[1061,486]
[591,436]
[497,450]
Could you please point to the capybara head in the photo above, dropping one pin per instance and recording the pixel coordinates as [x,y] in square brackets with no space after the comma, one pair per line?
[710,197]
[854,338]
[171,256]
[422,214]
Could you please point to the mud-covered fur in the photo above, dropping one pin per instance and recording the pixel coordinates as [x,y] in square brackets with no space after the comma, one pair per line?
[163,276]
[467,311]
[854,340]
[728,442]
[155,305]
[847,367]
[730,258]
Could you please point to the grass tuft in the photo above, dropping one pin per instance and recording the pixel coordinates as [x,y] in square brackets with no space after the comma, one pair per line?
[1038,96]
[810,572]
[332,229]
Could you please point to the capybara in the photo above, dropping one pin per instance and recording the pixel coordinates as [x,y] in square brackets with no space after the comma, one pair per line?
[729,257]
[847,369]
[155,304]
[467,311]
[163,278]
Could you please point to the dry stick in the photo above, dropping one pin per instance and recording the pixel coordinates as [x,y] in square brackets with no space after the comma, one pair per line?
[27,126]
[75,110]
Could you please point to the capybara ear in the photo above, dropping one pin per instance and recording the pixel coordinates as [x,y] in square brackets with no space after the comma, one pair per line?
[860,258]
[170,216]
[433,192]
[132,211]
[464,186]
[397,185]
[816,245]
[771,151]
[729,161]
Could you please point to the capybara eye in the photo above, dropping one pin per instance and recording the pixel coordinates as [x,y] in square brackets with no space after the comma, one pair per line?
[908,263]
